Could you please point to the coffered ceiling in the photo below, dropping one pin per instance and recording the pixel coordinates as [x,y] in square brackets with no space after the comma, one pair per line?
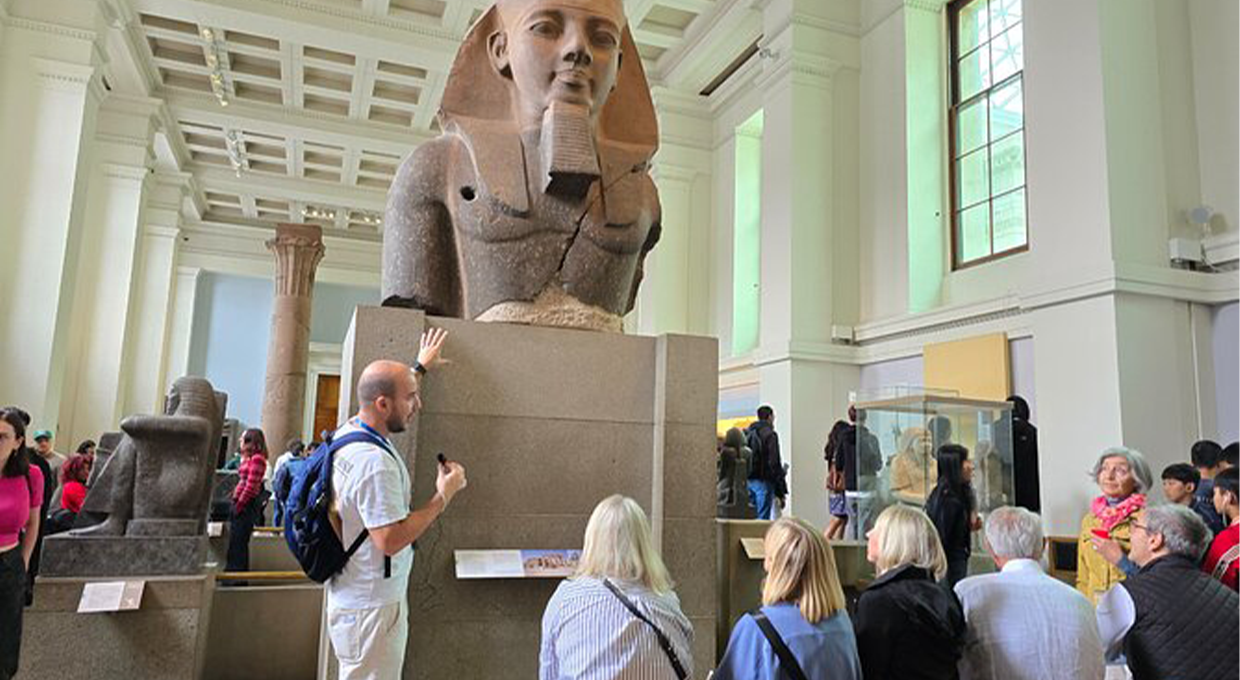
[303,109]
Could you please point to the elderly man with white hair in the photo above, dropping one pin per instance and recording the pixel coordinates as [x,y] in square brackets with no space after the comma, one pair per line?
[1023,624]
[1170,619]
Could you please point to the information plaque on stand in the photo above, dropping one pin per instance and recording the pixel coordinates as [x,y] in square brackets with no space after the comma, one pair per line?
[480,564]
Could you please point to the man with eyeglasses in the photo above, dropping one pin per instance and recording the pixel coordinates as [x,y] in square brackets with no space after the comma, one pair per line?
[1169,619]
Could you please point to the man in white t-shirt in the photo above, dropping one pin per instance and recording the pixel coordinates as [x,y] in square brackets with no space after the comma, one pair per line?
[367,606]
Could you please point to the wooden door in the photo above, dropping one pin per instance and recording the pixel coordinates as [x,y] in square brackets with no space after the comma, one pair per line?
[326,405]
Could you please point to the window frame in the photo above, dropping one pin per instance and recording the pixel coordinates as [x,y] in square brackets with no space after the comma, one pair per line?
[953,110]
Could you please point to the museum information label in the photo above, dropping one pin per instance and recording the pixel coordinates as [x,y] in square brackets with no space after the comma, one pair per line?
[111,596]
[478,564]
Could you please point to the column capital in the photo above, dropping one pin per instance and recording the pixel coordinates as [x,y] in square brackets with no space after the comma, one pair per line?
[298,249]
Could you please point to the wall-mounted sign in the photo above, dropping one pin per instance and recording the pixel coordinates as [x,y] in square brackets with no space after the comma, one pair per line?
[474,564]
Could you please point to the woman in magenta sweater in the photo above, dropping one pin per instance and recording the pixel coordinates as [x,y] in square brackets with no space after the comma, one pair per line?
[21,496]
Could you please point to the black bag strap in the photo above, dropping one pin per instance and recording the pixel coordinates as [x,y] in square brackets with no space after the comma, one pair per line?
[787,661]
[664,642]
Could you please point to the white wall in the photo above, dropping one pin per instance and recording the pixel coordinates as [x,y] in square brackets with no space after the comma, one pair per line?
[1226,341]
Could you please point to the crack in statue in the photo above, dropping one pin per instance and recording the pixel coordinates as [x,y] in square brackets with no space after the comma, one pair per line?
[536,204]
[157,482]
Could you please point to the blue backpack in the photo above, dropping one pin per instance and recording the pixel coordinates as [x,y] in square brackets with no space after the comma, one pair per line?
[308,529]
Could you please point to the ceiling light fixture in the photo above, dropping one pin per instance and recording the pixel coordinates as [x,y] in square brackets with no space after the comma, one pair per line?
[234,144]
[216,56]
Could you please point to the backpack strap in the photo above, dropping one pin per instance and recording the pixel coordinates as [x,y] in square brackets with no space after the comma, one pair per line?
[335,445]
[787,661]
[664,642]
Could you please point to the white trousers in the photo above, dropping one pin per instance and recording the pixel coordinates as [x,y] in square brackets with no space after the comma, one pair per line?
[370,643]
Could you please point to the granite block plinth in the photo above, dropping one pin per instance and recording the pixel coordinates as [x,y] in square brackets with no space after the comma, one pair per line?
[164,638]
[547,422]
[106,556]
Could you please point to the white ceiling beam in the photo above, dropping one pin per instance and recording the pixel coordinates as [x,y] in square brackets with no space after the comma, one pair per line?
[428,103]
[201,108]
[363,85]
[332,27]
[656,38]
[375,8]
[716,38]
[694,6]
[223,180]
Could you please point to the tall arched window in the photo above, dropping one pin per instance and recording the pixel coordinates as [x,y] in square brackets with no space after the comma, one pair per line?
[987,131]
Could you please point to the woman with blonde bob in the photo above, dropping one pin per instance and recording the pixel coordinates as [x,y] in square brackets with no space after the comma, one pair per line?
[908,624]
[617,618]
[802,608]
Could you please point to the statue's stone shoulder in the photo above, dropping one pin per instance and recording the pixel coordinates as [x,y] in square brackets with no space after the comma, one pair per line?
[423,176]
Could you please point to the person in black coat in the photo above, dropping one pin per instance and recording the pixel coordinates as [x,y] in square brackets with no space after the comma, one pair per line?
[951,506]
[909,626]
[1025,457]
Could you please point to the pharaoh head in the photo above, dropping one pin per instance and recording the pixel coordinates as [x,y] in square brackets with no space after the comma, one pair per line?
[558,51]
[525,57]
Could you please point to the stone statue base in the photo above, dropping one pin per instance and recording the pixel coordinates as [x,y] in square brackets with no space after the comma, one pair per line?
[165,638]
[547,422]
[107,556]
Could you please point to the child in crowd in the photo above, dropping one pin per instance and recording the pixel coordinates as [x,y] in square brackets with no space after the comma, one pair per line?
[1223,558]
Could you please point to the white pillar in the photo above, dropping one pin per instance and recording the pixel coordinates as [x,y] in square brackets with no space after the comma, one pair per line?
[107,281]
[181,322]
[49,94]
[144,360]
[807,241]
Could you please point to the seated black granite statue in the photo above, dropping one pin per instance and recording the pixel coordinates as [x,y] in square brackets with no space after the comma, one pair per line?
[157,482]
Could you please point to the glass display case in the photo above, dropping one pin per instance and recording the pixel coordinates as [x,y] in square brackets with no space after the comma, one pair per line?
[898,434]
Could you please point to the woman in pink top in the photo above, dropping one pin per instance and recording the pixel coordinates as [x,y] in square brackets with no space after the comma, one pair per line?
[21,495]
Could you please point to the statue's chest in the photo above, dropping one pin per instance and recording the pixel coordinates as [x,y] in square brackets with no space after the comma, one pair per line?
[481,216]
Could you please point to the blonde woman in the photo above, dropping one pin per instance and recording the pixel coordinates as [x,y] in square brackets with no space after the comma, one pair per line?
[617,618]
[908,625]
[803,612]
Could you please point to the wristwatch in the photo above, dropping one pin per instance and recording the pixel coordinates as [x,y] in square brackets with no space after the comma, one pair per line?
[419,368]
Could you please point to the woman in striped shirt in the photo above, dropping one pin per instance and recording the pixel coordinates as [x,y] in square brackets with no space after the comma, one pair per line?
[617,618]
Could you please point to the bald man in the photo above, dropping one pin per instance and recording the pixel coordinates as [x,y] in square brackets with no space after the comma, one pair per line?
[367,605]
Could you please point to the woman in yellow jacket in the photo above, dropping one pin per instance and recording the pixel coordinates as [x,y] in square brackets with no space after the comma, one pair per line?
[1124,477]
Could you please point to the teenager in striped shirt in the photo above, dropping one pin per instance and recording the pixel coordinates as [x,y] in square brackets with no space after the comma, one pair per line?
[618,617]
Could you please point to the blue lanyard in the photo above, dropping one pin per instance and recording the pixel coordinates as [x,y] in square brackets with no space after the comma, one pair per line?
[387,445]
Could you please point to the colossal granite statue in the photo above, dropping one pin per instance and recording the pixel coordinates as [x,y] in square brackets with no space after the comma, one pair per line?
[157,482]
[536,204]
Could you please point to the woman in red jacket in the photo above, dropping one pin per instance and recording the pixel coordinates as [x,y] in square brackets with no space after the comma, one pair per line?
[247,498]
[73,476]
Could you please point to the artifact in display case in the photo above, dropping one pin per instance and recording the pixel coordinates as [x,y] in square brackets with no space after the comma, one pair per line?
[907,426]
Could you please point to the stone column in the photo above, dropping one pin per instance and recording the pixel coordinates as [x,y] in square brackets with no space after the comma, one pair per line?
[298,249]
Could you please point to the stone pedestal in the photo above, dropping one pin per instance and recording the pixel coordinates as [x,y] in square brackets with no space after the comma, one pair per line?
[298,248]
[548,422]
[123,556]
[165,638]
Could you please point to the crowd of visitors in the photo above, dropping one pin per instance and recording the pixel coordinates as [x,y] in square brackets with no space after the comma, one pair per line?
[1156,585]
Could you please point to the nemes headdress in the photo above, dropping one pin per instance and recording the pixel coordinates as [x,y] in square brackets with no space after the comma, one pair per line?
[476,90]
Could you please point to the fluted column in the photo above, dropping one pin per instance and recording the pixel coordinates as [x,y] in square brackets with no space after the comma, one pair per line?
[298,249]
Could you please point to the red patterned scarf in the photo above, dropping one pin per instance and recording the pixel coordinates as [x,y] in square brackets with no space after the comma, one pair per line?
[1111,515]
